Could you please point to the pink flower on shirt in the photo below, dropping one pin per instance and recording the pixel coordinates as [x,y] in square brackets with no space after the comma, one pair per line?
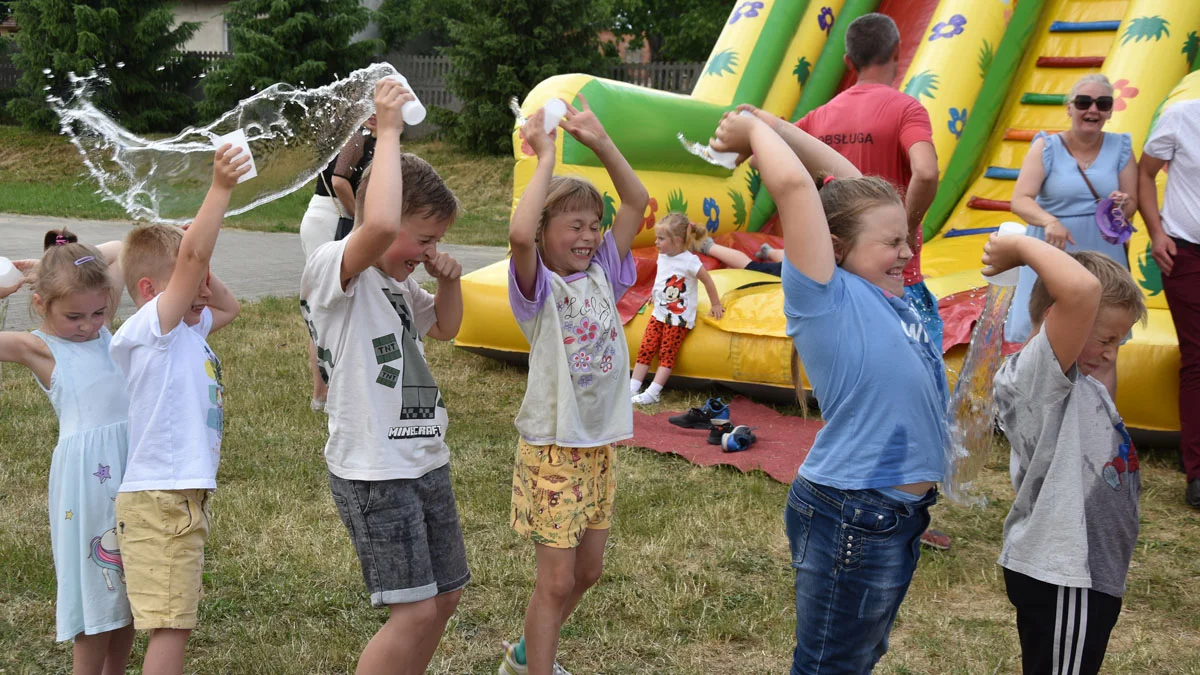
[581,361]
[586,331]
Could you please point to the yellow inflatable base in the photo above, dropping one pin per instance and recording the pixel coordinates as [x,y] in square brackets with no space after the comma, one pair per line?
[748,349]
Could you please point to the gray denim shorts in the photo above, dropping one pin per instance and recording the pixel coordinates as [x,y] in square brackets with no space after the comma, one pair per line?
[406,534]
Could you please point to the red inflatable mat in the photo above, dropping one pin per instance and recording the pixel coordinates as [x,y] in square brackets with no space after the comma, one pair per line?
[783,440]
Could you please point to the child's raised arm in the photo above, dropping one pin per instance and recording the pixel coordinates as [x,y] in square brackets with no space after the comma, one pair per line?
[1075,291]
[806,240]
[383,203]
[523,229]
[195,251]
[222,304]
[820,159]
[26,349]
[586,128]
[716,309]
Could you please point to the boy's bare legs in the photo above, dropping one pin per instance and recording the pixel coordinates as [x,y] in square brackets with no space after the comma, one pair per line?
[408,639]
[164,654]
[563,575]
[730,257]
[103,653]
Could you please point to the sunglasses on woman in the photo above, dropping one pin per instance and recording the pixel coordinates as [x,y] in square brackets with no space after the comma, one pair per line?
[1103,103]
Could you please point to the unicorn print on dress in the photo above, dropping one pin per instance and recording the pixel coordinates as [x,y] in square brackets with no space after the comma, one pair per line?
[106,553]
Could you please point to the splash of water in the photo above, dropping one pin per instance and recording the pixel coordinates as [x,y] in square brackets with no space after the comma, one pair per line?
[293,134]
[972,405]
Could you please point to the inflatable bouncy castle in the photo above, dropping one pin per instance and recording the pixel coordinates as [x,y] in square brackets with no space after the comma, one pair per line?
[991,73]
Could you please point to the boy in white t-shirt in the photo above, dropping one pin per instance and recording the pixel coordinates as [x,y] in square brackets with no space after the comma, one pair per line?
[176,416]
[388,461]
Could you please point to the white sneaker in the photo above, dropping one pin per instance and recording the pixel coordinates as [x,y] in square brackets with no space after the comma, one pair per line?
[645,398]
[317,406]
[509,665]
[559,670]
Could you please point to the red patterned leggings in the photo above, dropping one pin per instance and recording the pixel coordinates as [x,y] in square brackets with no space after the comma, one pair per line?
[662,340]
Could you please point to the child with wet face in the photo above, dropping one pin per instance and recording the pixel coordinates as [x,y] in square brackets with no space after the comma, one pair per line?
[861,499]
[1072,459]
[565,277]
[389,465]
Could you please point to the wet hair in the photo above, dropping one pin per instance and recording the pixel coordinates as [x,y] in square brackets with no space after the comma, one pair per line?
[871,40]
[57,237]
[845,200]
[1094,78]
[1118,289]
[424,194]
[569,193]
[677,225]
[149,252]
[69,268]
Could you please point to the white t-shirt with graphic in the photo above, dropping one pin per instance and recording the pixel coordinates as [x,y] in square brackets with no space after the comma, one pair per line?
[176,402]
[1176,139]
[675,291]
[387,419]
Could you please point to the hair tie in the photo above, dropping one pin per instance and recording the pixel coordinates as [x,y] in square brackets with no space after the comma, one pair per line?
[59,240]
[827,181]
[85,259]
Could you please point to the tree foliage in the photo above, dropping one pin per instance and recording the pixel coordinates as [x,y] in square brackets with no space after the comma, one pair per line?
[677,30]
[147,92]
[297,41]
[506,47]
[428,21]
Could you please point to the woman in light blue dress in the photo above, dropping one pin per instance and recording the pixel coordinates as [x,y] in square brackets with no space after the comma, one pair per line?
[1052,196]
[68,355]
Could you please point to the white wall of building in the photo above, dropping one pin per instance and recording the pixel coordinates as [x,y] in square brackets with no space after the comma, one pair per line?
[211,36]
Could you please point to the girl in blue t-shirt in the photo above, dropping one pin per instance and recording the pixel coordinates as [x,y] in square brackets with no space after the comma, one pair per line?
[857,508]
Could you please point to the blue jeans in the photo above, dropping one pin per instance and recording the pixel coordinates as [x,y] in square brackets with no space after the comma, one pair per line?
[854,552]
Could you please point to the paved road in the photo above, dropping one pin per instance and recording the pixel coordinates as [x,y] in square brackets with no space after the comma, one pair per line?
[253,264]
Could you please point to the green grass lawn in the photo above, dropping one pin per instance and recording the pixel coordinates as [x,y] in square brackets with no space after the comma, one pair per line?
[697,577]
[42,174]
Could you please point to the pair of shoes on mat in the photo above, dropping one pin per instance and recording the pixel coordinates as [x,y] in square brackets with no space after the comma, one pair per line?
[935,539]
[509,665]
[713,412]
[731,438]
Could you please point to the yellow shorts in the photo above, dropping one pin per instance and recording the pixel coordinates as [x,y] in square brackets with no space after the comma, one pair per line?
[161,534]
[560,493]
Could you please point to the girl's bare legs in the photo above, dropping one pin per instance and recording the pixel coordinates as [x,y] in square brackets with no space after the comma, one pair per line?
[563,575]
[103,653]
[730,257]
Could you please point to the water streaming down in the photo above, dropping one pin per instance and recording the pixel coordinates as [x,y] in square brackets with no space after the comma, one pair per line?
[293,134]
[972,405]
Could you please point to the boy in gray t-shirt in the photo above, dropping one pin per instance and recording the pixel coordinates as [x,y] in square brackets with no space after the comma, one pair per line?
[1072,528]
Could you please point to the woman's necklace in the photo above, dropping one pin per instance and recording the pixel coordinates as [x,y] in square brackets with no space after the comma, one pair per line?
[1083,164]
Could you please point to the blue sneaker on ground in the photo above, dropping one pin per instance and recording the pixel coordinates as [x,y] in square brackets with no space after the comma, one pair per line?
[713,412]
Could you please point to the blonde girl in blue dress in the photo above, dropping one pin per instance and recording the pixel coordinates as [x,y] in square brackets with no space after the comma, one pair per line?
[76,293]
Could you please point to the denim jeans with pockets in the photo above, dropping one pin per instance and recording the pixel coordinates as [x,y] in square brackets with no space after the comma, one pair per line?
[854,552]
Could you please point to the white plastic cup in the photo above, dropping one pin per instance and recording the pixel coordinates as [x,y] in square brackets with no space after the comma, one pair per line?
[552,113]
[413,111]
[9,274]
[1007,277]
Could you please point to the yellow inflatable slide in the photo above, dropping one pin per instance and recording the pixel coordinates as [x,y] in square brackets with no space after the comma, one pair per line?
[990,73]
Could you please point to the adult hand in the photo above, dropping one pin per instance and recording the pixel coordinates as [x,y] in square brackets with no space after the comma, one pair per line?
[1057,235]
[583,125]
[1162,248]
[1119,198]
[443,268]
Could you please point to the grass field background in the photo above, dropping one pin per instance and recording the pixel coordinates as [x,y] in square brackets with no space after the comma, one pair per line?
[42,174]
[697,578]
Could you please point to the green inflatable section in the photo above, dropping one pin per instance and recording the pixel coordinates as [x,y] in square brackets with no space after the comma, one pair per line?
[647,137]
[821,86]
[984,115]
